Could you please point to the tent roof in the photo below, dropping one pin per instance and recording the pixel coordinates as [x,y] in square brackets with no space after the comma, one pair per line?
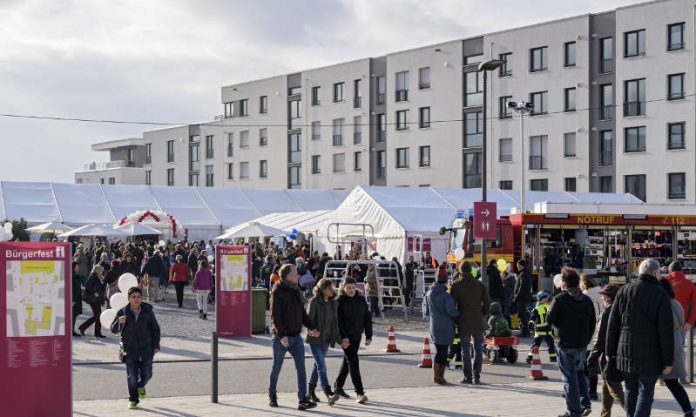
[304,221]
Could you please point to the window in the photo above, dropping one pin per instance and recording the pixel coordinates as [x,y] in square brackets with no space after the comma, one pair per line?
[244,107]
[676,136]
[424,117]
[401,86]
[230,144]
[675,86]
[605,184]
[244,139]
[112,180]
[505,150]
[316,164]
[263,104]
[357,161]
[338,92]
[381,127]
[295,148]
[538,59]
[634,43]
[424,78]
[537,152]
[194,154]
[402,120]
[101,180]
[402,157]
[316,130]
[339,162]
[424,156]
[540,102]
[505,185]
[569,145]
[263,168]
[263,137]
[294,91]
[148,153]
[294,177]
[504,112]
[606,55]
[571,184]
[634,97]
[230,171]
[148,177]
[357,98]
[315,96]
[569,99]
[473,59]
[381,89]
[474,89]
[539,185]
[209,176]
[606,147]
[381,164]
[677,185]
[569,54]
[243,170]
[506,66]
[130,157]
[229,110]
[635,184]
[170,176]
[634,139]
[606,102]
[472,170]
[473,137]
[194,179]
[675,36]
[338,132]
[209,146]
[357,130]
[170,151]
[295,112]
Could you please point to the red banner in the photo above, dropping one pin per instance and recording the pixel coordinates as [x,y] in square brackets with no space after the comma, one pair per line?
[233,291]
[35,332]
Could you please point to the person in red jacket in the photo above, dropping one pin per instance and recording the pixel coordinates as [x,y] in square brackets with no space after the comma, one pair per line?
[685,293]
[179,275]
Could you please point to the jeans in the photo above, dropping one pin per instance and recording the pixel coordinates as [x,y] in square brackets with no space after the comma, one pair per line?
[202,300]
[640,390]
[139,373]
[296,349]
[351,363]
[679,394]
[441,354]
[179,286]
[466,354]
[154,289]
[524,318]
[374,305]
[319,369]
[571,362]
[96,312]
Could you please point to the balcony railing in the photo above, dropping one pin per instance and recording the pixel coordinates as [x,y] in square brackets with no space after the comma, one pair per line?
[605,158]
[634,108]
[381,172]
[606,112]
[381,135]
[675,195]
[357,138]
[357,102]
[97,166]
[401,95]
[606,66]
[536,162]
[337,140]
[380,98]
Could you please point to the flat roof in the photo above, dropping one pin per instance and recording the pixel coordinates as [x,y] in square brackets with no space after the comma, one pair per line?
[119,143]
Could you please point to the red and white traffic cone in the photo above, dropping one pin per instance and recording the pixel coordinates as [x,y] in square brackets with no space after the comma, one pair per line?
[535,372]
[391,341]
[426,360]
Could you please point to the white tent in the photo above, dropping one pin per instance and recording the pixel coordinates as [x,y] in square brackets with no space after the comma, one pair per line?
[50,227]
[251,229]
[94,230]
[137,229]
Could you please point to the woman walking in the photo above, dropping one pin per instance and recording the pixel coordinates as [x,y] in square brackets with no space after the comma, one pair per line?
[202,284]
[679,368]
[94,296]
[179,275]
[439,308]
[372,288]
[323,311]
[76,296]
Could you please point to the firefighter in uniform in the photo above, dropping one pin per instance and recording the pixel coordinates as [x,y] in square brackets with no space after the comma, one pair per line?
[542,330]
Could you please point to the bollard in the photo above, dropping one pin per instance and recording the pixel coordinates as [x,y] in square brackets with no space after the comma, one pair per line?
[691,354]
[214,368]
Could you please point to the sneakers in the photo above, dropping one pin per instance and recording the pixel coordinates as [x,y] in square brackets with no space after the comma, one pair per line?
[341,392]
[529,359]
[272,400]
[553,359]
[586,411]
[142,393]
[132,405]
[362,399]
[205,317]
[465,380]
[306,405]
[331,397]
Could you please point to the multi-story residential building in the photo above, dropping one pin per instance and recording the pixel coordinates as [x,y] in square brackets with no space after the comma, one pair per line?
[613,97]
[125,164]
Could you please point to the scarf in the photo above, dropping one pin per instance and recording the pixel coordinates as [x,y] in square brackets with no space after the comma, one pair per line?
[296,288]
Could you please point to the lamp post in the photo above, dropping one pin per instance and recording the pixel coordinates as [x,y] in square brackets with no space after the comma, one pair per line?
[521,108]
[485,66]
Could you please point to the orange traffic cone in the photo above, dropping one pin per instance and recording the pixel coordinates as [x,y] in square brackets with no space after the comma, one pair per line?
[535,372]
[391,340]
[426,360]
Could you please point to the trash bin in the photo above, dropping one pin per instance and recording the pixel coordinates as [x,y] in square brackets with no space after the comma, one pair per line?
[259,301]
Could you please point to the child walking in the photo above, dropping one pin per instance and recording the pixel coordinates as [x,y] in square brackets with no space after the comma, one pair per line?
[542,330]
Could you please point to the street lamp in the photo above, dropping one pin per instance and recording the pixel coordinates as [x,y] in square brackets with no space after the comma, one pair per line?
[521,108]
[485,66]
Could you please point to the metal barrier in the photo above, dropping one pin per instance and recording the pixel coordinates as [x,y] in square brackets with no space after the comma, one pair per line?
[425,278]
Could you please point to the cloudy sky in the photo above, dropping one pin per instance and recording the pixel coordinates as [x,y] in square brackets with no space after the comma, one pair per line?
[165,60]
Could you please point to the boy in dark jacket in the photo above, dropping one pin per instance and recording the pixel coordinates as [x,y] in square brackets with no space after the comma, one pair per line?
[498,325]
[542,329]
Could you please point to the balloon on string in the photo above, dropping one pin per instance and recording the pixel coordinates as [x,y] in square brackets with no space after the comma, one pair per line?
[118,301]
[107,317]
[474,272]
[557,280]
[502,265]
[126,282]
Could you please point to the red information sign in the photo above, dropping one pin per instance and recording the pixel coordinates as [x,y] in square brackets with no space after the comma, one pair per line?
[485,220]
[233,291]
[35,335]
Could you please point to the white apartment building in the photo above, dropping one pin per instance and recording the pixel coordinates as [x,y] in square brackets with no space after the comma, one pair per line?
[125,165]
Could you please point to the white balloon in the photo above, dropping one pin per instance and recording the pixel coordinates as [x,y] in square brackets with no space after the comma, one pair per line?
[557,280]
[459,253]
[118,301]
[107,317]
[126,282]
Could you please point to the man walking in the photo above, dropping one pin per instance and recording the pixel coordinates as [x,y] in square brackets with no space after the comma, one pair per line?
[140,341]
[640,337]
[572,317]
[410,276]
[522,296]
[154,271]
[288,315]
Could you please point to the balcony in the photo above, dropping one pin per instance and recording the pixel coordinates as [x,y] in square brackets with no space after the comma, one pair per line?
[337,140]
[606,66]
[357,102]
[98,166]
[606,112]
[634,108]
[537,162]
[605,158]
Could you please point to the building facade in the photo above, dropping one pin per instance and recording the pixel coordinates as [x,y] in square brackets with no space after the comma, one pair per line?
[125,164]
[613,97]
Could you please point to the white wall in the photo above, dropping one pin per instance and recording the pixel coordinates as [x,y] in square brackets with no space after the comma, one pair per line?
[122,176]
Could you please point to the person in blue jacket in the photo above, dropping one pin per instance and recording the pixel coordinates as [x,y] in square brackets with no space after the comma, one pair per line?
[440,309]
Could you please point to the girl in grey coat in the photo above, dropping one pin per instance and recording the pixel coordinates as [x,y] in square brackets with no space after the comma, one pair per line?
[439,307]
[679,367]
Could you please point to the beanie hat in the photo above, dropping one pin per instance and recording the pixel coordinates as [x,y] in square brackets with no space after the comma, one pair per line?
[442,274]
[675,266]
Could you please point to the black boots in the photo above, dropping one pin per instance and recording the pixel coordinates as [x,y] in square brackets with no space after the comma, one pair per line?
[311,393]
[273,400]
[340,392]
